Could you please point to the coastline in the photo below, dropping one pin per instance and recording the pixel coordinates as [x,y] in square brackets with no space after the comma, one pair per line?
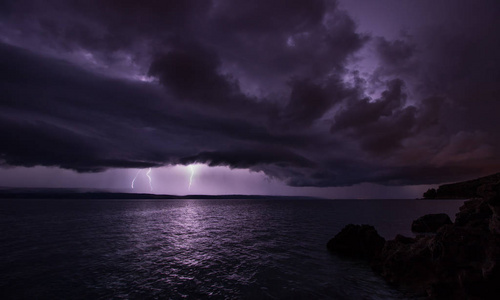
[459,260]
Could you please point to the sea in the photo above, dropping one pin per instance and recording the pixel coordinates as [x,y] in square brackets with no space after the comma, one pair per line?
[194,248]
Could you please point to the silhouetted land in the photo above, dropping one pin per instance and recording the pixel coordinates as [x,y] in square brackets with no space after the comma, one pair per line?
[16,193]
[452,260]
[461,190]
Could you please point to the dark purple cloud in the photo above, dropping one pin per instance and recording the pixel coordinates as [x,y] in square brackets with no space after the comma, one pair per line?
[260,85]
[379,125]
[192,74]
[394,53]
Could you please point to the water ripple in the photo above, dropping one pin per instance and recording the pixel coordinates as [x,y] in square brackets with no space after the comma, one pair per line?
[176,249]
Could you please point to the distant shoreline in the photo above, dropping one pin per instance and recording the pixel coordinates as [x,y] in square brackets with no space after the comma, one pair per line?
[6,194]
[449,198]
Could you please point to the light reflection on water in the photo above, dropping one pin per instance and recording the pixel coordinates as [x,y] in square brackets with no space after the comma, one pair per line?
[266,249]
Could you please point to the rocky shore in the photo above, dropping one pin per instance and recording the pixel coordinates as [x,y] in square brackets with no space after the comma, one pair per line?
[445,260]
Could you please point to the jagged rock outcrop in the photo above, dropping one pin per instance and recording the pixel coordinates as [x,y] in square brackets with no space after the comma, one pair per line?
[460,261]
[430,223]
[358,241]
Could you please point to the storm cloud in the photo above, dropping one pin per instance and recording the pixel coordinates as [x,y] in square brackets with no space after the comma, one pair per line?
[272,86]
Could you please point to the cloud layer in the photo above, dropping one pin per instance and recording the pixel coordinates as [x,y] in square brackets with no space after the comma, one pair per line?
[270,86]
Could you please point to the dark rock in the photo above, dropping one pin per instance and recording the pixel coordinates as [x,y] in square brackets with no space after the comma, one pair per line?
[474,213]
[402,262]
[359,241]
[492,194]
[430,223]
[459,261]
[404,239]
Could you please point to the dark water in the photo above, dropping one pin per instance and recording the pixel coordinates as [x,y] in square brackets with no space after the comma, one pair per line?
[233,249]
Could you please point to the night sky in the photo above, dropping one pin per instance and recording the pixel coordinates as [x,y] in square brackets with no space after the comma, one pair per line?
[338,99]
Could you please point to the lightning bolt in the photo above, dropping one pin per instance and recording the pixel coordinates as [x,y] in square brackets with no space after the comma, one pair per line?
[135,177]
[149,177]
[147,174]
[191,168]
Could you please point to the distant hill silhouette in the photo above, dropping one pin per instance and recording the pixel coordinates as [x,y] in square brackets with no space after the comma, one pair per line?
[461,190]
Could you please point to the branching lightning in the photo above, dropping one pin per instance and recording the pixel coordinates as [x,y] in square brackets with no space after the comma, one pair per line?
[191,168]
[148,174]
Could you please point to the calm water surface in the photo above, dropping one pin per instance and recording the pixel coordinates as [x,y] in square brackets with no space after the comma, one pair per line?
[175,249]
